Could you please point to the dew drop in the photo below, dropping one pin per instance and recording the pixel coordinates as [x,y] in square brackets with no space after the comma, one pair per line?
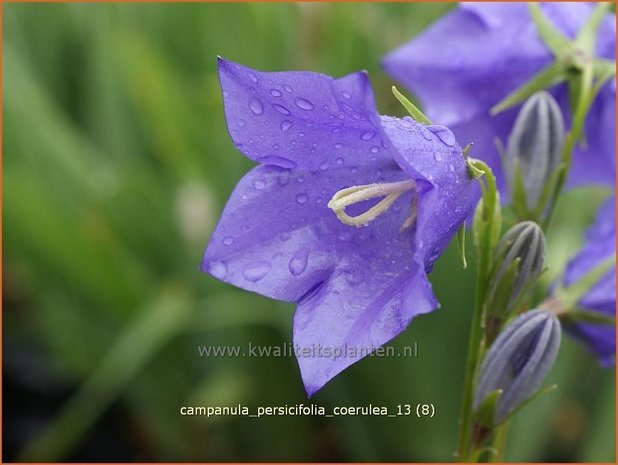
[256,106]
[241,123]
[259,184]
[298,263]
[374,149]
[255,271]
[346,94]
[368,135]
[285,236]
[277,161]
[287,88]
[253,77]
[303,103]
[444,134]
[275,93]
[283,178]
[300,180]
[337,145]
[281,109]
[302,198]
[339,161]
[285,125]
[425,134]
[324,166]
[451,168]
[437,156]
[218,269]
[229,240]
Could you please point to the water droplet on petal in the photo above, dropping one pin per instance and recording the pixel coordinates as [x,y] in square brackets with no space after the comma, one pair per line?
[437,156]
[241,123]
[285,236]
[374,149]
[285,125]
[283,178]
[287,88]
[259,184]
[302,198]
[277,161]
[255,271]
[229,240]
[425,133]
[218,269]
[300,180]
[444,134]
[451,168]
[339,161]
[346,94]
[337,145]
[298,263]
[303,103]
[324,166]
[253,77]
[281,109]
[256,106]
[368,135]
[275,93]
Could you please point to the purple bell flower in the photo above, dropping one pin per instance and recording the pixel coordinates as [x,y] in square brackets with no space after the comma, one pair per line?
[600,244]
[475,56]
[314,137]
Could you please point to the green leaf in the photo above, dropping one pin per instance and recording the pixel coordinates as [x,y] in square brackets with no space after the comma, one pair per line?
[586,36]
[417,114]
[552,74]
[551,36]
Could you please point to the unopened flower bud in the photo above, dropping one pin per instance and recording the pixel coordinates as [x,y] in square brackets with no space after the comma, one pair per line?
[517,362]
[535,148]
[518,263]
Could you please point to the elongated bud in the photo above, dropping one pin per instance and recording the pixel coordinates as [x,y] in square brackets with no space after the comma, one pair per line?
[518,263]
[516,364]
[535,150]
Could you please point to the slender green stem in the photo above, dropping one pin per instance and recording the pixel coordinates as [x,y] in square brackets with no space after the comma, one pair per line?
[498,441]
[475,341]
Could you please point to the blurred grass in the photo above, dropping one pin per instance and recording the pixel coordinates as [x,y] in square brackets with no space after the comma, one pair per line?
[116,164]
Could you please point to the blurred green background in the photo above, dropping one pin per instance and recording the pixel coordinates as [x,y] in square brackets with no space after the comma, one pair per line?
[116,165]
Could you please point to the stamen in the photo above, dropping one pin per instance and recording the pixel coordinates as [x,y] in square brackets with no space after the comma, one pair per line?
[351,195]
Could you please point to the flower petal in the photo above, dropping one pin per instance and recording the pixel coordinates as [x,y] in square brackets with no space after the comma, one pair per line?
[298,118]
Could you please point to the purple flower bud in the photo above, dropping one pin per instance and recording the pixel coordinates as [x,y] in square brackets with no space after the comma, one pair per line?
[518,262]
[518,361]
[535,146]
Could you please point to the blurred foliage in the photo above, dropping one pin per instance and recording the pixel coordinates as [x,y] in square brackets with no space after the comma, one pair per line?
[116,165]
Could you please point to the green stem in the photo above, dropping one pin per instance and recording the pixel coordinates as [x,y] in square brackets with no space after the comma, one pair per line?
[475,342]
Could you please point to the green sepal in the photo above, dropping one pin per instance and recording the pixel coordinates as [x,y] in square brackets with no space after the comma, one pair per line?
[570,296]
[486,412]
[415,113]
[473,171]
[536,395]
[586,36]
[587,316]
[557,42]
[519,202]
[461,244]
[497,305]
[552,74]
